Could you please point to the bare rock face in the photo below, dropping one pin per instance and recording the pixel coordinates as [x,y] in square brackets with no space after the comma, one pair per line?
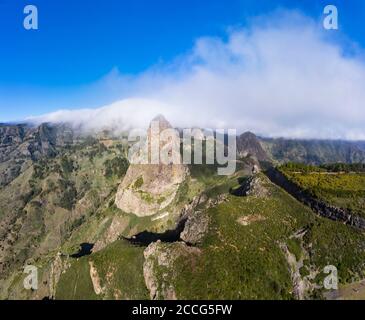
[195,228]
[256,186]
[159,270]
[59,266]
[197,219]
[148,189]
[95,279]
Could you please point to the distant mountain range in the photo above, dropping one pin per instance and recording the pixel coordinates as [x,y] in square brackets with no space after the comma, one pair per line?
[21,142]
[299,150]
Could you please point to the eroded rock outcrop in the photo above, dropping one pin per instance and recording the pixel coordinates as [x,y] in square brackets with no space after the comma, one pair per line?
[159,268]
[195,228]
[58,267]
[255,186]
[150,188]
[197,218]
[95,279]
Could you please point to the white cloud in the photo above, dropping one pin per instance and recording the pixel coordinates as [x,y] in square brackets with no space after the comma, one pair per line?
[121,115]
[280,76]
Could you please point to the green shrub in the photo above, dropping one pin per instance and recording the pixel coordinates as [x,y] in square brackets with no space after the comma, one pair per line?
[116,167]
[138,183]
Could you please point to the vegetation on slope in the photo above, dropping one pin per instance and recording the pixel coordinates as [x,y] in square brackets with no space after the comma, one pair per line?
[45,205]
[337,185]
[118,270]
[246,260]
[62,200]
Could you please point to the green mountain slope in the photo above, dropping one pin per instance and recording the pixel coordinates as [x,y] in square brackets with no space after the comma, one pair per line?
[261,244]
[314,151]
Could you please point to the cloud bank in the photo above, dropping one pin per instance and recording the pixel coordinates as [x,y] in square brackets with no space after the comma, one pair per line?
[282,75]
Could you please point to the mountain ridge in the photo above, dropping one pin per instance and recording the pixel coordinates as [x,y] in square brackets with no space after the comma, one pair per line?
[61,190]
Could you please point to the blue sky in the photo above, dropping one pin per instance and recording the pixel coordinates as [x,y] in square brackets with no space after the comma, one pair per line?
[80,42]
